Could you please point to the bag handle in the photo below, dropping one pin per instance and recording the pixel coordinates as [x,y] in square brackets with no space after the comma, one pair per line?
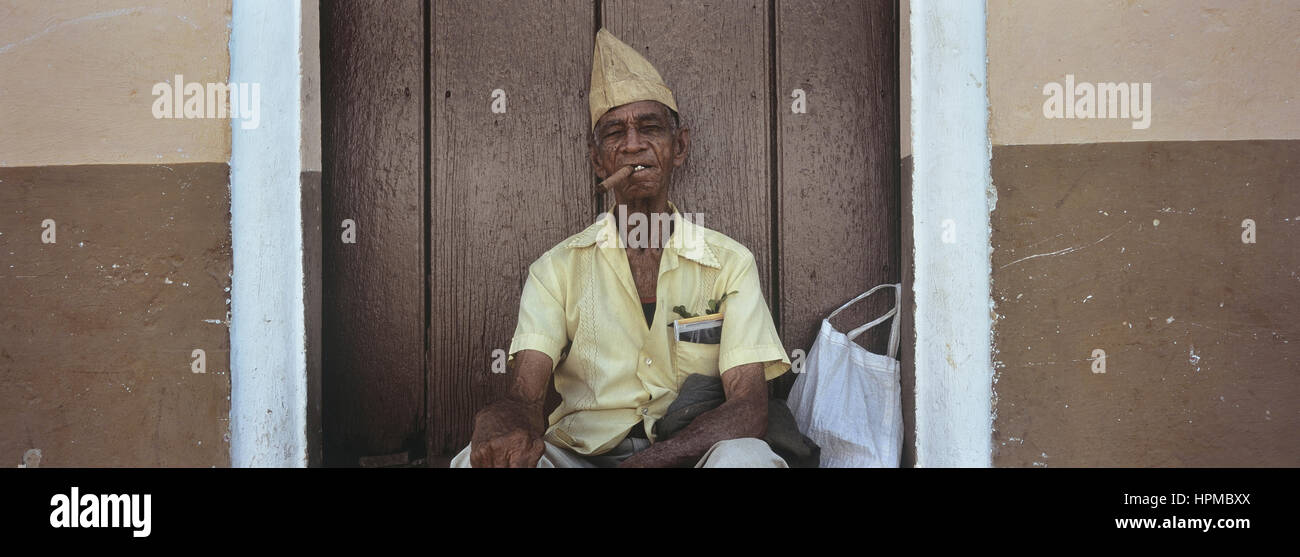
[892,313]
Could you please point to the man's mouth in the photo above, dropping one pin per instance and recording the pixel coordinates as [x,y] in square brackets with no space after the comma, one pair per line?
[639,168]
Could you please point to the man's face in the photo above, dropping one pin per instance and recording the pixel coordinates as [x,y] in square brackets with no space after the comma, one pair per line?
[639,133]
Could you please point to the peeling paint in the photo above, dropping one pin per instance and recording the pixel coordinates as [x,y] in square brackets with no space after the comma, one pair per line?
[1068,250]
[31,459]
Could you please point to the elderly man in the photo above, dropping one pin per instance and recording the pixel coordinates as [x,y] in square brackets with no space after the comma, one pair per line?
[597,312]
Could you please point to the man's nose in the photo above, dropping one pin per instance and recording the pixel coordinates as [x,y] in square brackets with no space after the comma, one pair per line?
[634,142]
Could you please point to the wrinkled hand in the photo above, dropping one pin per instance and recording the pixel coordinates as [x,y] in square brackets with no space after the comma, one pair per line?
[507,435]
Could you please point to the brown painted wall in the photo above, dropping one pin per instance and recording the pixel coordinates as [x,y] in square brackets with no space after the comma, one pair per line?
[97,330]
[1130,241]
[1136,249]
[907,345]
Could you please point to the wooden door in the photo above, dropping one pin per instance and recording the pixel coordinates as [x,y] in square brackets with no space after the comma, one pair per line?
[455,132]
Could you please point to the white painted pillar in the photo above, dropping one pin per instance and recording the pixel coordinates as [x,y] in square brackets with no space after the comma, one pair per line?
[952,196]
[268,398]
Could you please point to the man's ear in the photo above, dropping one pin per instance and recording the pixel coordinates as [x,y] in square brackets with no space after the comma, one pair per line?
[683,141]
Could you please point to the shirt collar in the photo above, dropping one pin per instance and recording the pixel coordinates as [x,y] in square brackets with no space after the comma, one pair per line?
[687,239]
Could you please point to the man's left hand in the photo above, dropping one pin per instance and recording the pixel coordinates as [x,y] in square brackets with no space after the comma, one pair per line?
[744,414]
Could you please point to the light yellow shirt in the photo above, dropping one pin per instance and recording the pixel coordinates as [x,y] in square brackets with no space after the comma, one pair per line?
[580,306]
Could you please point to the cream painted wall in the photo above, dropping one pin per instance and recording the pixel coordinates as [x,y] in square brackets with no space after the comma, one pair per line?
[904,78]
[309,56]
[77,80]
[1219,69]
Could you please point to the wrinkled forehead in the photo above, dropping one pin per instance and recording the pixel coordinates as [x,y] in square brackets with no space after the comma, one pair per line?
[639,111]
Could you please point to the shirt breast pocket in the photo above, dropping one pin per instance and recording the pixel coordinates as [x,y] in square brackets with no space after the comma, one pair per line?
[694,357]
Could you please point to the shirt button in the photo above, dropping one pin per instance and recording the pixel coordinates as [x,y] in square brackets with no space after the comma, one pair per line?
[645,411]
[648,361]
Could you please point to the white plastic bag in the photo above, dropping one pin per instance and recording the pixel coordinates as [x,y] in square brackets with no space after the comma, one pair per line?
[848,400]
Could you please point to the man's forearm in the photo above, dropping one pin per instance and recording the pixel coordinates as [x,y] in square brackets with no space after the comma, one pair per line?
[508,431]
[744,414]
[527,392]
[734,419]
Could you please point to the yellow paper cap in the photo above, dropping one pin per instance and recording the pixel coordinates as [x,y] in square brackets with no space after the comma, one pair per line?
[619,75]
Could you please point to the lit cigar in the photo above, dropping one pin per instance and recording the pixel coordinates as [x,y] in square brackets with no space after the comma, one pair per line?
[618,178]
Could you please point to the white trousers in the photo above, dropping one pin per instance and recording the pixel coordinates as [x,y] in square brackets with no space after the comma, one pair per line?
[732,453]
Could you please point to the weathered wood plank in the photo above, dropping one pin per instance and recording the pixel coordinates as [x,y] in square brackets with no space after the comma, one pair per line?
[506,186]
[372,133]
[839,195]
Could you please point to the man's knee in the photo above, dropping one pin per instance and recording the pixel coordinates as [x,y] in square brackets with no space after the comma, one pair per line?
[741,453]
[553,457]
[462,459]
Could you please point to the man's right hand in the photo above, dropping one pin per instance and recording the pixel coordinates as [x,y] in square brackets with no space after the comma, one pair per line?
[508,432]
[506,437]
